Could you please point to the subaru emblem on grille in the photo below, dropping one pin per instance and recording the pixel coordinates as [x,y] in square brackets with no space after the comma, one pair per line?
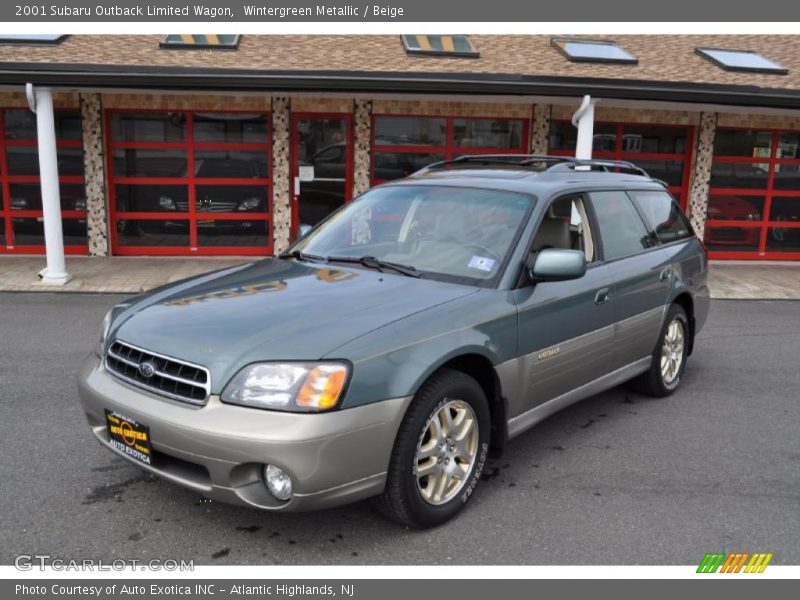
[147,369]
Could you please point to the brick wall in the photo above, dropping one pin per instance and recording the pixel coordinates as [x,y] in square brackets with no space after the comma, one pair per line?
[281,107]
[451,109]
[630,115]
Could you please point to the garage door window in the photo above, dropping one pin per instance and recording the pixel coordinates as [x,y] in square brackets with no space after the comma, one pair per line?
[403,145]
[664,151]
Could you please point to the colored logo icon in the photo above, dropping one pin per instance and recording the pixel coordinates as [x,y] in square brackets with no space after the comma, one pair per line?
[735,562]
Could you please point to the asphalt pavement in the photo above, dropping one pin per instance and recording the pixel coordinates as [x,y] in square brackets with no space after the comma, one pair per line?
[617,479]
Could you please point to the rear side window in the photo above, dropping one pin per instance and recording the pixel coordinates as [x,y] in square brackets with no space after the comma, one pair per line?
[622,231]
[664,215]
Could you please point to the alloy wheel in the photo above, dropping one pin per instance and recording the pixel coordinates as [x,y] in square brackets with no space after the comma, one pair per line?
[672,351]
[446,452]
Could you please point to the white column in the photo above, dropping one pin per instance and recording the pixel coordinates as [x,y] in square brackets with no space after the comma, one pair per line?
[583,119]
[55,272]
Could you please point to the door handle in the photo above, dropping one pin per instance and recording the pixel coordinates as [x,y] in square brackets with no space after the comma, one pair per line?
[602,296]
[665,274]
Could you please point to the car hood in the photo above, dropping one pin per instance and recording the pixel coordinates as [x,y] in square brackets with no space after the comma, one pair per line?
[273,310]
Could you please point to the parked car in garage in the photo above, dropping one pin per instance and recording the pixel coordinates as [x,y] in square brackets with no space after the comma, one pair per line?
[390,350]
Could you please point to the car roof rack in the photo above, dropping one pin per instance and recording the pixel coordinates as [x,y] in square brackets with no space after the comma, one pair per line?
[551,163]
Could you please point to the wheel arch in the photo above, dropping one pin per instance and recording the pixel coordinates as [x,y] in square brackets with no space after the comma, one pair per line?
[481,368]
[684,300]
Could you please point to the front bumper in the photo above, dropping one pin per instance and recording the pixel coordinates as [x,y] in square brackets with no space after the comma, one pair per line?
[219,450]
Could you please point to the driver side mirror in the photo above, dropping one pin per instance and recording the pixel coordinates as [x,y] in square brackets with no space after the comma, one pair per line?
[303,231]
[556,264]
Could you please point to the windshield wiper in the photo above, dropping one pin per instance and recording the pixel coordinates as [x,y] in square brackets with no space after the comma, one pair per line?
[375,263]
[303,256]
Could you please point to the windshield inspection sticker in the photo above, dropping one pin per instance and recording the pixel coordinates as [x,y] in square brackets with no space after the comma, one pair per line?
[481,263]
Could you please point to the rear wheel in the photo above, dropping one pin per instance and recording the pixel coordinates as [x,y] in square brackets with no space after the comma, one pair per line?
[439,453]
[669,357]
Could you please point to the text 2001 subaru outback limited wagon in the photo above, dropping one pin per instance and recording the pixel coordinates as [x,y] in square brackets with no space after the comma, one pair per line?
[414,330]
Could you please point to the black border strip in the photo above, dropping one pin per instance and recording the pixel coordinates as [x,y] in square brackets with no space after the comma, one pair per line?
[190,79]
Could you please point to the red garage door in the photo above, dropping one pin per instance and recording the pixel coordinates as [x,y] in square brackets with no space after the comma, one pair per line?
[754,204]
[189,182]
[21,218]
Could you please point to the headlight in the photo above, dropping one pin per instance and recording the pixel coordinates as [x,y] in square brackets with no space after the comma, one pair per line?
[166,203]
[249,204]
[295,387]
[101,345]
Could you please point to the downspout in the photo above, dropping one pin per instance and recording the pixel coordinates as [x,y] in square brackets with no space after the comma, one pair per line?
[583,119]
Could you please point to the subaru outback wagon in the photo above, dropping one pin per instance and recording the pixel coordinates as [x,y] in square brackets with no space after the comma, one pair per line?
[406,337]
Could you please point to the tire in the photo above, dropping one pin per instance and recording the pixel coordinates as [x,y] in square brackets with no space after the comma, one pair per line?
[413,499]
[659,381]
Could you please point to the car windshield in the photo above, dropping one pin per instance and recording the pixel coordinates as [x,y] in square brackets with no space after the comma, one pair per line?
[449,233]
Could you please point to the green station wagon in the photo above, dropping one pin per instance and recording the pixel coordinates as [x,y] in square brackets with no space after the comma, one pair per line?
[410,334]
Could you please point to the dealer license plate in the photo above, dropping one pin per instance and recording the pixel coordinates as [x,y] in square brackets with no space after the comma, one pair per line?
[129,436]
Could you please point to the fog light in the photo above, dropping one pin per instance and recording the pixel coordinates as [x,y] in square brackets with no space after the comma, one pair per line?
[278,482]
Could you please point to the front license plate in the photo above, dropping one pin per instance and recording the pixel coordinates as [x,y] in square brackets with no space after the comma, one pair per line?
[129,436]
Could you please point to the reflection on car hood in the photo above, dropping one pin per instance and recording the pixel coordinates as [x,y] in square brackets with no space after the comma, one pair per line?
[274,310]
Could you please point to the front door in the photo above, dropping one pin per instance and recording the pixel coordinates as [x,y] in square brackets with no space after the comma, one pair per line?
[566,328]
[322,166]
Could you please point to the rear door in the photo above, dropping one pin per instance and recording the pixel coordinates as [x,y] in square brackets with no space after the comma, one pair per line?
[641,273]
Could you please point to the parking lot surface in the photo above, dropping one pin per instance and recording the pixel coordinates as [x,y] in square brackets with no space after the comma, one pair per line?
[616,479]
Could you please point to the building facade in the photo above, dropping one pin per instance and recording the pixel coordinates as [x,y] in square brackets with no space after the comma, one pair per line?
[150,166]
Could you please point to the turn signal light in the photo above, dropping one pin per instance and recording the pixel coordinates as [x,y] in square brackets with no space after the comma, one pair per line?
[323,387]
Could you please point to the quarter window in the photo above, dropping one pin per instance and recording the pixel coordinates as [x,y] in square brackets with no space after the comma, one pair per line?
[622,230]
[663,215]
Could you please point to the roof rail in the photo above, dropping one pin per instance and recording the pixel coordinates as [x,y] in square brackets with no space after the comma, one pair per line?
[551,163]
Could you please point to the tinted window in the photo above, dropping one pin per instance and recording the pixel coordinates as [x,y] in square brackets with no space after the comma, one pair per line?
[663,215]
[487,133]
[410,131]
[622,230]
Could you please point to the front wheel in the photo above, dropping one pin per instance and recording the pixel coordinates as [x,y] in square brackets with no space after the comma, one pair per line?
[439,453]
[669,357]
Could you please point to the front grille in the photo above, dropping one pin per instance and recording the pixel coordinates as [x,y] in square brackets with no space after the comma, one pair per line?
[170,377]
[218,206]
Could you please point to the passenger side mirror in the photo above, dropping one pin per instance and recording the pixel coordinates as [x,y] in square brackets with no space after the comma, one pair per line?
[303,231]
[556,264]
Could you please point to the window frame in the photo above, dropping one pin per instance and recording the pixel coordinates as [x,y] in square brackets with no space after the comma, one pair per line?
[557,44]
[769,193]
[474,53]
[448,150]
[167,45]
[7,180]
[703,52]
[192,183]
[20,41]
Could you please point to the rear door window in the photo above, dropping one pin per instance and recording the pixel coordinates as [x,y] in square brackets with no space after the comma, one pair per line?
[622,231]
[663,215]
